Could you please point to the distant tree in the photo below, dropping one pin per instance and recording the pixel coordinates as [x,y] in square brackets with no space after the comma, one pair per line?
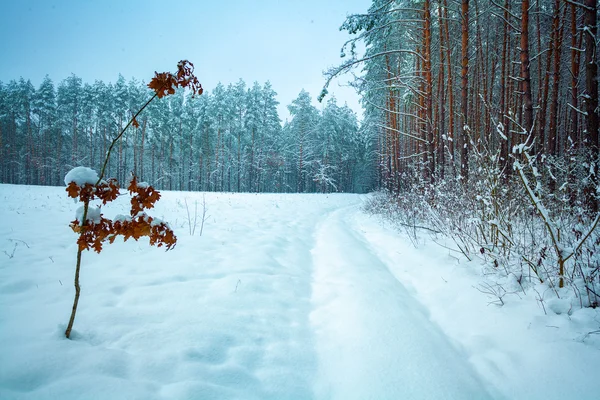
[45,109]
[253,125]
[69,109]
[301,128]
[231,139]
[239,105]
[272,148]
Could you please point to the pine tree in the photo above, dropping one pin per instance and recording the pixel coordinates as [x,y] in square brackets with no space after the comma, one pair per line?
[301,130]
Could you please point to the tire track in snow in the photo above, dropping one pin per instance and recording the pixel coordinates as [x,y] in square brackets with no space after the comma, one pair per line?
[373,339]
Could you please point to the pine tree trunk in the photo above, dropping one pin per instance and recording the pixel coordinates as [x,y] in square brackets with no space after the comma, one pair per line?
[591,95]
[464,151]
[442,99]
[301,162]
[252,167]
[575,57]
[74,150]
[430,167]
[190,161]
[552,130]
[120,158]
[451,136]
[545,84]
[591,74]
[29,148]
[239,161]
[525,70]
[142,144]
[171,164]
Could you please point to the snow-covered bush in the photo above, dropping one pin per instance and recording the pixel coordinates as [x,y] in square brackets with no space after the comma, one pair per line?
[527,226]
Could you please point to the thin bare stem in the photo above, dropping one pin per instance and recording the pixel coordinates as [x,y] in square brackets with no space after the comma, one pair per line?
[116,139]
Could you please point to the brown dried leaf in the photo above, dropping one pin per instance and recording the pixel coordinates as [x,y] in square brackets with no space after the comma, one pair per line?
[73,190]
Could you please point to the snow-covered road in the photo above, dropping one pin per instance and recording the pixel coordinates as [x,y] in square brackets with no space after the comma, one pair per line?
[282,297]
[374,340]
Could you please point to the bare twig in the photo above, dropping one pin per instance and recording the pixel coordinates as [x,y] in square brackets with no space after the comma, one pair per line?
[540,299]
[204,211]
[11,255]
[21,241]
[496,291]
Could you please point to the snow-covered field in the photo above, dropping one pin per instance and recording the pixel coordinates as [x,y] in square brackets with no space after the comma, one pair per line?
[282,297]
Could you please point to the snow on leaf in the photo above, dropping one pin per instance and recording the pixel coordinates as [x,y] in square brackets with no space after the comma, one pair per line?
[81,176]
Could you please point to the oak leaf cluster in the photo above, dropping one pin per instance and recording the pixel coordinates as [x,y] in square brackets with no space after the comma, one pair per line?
[165,83]
[93,233]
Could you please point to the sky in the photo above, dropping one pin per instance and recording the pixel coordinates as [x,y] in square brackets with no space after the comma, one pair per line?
[289,43]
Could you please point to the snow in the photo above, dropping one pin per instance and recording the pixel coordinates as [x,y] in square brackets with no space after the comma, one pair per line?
[141,185]
[93,214]
[282,297]
[518,350]
[393,342]
[81,176]
[500,130]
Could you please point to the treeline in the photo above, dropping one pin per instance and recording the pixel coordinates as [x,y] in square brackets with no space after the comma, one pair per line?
[229,140]
[486,119]
[449,82]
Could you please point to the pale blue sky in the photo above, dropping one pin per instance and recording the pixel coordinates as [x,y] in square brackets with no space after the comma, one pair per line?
[287,42]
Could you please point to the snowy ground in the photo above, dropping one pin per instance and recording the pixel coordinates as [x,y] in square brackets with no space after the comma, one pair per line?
[282,297]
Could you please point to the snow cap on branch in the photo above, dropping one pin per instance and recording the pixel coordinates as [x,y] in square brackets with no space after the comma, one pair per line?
[94,214]
[81,176]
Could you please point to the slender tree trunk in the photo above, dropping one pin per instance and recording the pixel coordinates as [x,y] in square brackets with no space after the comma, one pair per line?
[539,62]
[135,152]
[392,149]
[29,146]
[200,183]
[464,167]
[120,158]
[252,166]
[591,74]
[591,95]
[171,163]
[451,136]
[239,161]
[525,70]
[552,130]
[478,78]
[74,150]
[142,144]
[229,165]
[104,148]
[429,96]
[301,161]
[190,161]
[490,85]
[421,121]
[441,98]
[575,57]
[153,165]
[217,148]
[545,84]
